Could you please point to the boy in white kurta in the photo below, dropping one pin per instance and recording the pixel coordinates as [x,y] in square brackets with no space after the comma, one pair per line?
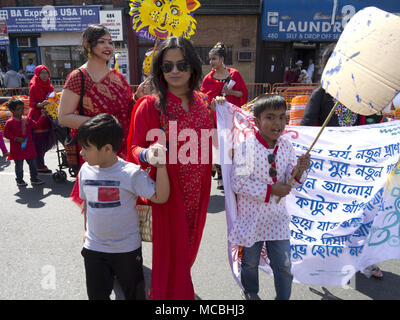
[262,166]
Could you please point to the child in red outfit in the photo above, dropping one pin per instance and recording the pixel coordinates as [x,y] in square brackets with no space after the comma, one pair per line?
[18,130]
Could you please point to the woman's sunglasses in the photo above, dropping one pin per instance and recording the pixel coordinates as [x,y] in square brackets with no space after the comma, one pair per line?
[272,171]
[182,66]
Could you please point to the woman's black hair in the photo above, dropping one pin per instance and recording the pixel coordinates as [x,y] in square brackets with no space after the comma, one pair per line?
[13,104]
[91,35]
[219,49]
[270,101]
[100,130]
[191,57]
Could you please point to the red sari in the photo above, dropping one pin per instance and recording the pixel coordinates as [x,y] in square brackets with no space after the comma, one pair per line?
[112,95]
[212,87]
[178,224]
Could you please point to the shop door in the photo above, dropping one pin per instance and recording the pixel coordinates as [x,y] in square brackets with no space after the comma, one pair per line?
[24,57]
[273,65]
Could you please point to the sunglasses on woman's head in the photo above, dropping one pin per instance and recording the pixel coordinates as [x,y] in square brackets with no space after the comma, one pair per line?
[182,66]
[272,171]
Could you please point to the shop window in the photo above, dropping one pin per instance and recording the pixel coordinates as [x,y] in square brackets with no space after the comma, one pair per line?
[204,51]
[61,60]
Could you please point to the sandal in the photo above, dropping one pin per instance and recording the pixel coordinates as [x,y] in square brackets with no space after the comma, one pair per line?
[377,273]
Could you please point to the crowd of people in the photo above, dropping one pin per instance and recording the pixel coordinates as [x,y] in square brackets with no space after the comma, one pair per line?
[120,166]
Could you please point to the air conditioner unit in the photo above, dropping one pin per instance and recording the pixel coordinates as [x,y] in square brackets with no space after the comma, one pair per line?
[245,55]
[24,42]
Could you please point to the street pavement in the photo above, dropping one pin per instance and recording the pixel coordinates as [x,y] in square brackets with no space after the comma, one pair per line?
[41,240]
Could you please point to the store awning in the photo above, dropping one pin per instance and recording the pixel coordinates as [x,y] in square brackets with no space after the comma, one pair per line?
[313,20]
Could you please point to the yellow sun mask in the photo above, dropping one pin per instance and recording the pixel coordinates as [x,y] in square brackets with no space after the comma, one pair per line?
[164,18]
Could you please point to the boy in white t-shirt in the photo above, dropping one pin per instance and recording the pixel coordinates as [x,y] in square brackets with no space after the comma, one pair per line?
[109,187]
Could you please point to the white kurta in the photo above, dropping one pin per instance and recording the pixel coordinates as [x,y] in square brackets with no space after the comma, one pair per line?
[259,216]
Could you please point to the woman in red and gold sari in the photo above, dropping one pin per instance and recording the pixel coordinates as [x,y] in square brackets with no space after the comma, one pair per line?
[105,90]
[177,109]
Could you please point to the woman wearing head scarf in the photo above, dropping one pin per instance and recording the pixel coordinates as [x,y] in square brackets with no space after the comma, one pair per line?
[39,90]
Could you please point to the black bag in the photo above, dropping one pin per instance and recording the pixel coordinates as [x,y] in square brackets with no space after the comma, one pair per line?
[71,144]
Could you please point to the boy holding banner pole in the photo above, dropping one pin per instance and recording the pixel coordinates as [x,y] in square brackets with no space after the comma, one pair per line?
[262,165]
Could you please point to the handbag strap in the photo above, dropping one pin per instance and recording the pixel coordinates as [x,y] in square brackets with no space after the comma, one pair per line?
[81,112]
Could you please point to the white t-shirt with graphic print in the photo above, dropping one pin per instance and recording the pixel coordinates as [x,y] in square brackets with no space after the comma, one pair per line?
[110,195]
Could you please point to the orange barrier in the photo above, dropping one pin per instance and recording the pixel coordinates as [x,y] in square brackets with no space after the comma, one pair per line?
[257,89]
[296,111]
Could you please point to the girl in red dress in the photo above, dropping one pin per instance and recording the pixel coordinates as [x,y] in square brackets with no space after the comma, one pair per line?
[176,106]
[18,130]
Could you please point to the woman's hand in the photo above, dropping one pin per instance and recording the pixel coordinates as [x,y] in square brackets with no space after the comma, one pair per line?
[220,100]
[157,155]
[144,89]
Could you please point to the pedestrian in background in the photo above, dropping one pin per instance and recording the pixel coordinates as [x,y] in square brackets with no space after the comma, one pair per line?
[30,69]
[39,90]
[223,81]
[12,81]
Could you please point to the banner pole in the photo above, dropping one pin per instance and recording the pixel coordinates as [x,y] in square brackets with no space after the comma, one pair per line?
[315,140]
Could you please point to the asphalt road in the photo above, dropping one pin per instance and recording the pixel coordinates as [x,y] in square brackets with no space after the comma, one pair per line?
[41,240]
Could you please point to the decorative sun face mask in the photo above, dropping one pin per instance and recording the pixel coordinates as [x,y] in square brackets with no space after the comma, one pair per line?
[163,18]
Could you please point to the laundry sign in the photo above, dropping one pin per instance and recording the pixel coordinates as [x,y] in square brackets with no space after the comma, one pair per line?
[313,20]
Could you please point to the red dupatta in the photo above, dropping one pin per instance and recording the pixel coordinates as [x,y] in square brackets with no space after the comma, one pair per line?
[38,92]
[212,87]
[178,224]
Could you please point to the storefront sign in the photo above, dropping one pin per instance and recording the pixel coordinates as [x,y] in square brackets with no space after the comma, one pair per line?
[313,20]
[112,19]
[49,18]
[3,33]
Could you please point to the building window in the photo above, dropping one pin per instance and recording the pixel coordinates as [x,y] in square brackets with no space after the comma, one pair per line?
[203,53]
[61,60]
[25,3]
[102,1]
[62,2]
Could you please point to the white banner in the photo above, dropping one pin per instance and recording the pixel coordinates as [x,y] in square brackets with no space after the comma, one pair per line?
[346,216]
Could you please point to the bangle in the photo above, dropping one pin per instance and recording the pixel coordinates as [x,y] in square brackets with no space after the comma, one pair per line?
[143,156]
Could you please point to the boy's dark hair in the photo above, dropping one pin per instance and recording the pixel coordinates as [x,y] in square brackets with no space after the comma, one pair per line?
[101,130]
[270,101]
[13,104]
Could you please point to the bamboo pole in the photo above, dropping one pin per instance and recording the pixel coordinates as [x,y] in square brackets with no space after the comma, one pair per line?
[315,140]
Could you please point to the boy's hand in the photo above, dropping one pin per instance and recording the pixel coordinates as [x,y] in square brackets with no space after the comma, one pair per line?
[280,189]
[157,155]
[303,163]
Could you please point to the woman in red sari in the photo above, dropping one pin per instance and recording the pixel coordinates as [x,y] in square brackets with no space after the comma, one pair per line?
[39,90]
[223,81]
[105,90]
[176,106]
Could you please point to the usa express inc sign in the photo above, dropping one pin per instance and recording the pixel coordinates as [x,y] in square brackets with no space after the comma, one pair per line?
[313,20]
[49,18]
